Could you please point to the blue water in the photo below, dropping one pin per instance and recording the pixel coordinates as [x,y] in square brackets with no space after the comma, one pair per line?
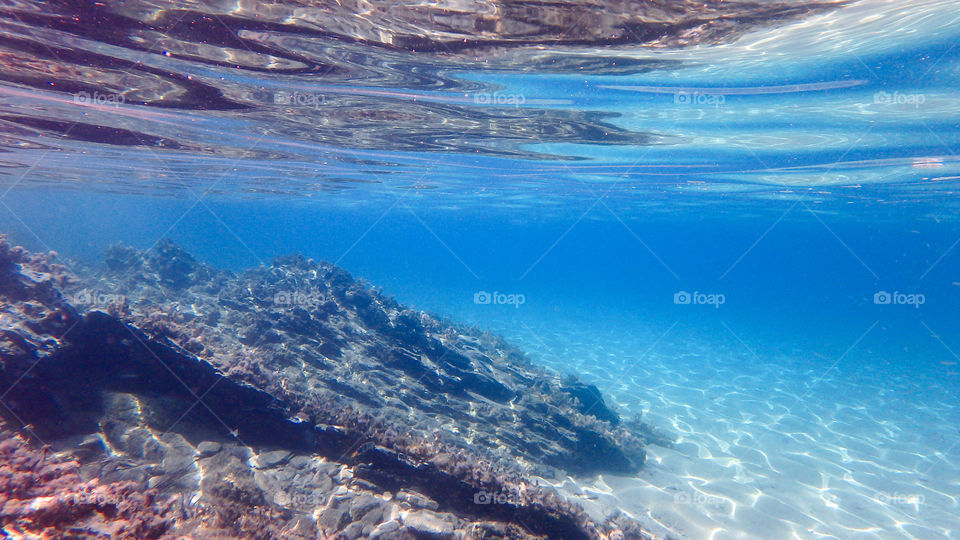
[790,182]
[786,274]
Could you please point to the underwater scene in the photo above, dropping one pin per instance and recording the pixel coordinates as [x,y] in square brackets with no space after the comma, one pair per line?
[484,269]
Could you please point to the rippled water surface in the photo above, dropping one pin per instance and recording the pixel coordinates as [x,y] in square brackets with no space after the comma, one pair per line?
[259,99]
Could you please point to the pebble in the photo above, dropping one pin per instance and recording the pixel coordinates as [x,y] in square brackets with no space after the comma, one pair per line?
[357,483]
[362,504]
[384,528]
[335,516]
[268,460]
[90,447]
[353,531]
[208,448]
[428,522]
[326,467]
[300,462]
[416,500]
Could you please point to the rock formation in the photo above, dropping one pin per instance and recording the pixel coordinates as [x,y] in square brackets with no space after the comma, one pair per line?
[161,397]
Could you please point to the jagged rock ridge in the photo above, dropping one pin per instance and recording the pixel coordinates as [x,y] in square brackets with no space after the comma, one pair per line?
[170,378]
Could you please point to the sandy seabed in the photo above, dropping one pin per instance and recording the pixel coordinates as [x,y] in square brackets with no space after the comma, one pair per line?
[776,448]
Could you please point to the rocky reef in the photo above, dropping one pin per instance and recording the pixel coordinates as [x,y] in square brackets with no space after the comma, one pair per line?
[161,397]
[255,31]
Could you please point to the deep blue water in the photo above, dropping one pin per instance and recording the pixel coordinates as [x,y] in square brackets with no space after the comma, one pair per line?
[788,278]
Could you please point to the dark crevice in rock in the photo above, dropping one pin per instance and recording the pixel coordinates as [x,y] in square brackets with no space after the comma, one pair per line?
[393,471]
[214,393]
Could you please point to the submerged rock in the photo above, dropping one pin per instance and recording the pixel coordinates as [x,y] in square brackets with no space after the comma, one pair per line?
[309,397]
[589,401]
[310,332]
[473,25]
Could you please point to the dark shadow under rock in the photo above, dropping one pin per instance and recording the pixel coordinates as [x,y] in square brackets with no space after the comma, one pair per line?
[589,401]
[245,425]
[311,325]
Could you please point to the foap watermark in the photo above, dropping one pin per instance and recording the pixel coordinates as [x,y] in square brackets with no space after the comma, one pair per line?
[699,99]
[497,98]
[298,299]
[897,298]
[299,99]
[699,499]
[697,298]
[299,499]
[90,298]
[498,497]
[899,498]
[497,298]
[95,498]
[96,98]
[898,98]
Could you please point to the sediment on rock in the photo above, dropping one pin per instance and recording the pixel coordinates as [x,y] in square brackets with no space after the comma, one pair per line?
[291,400]
[321,341]
[480,25]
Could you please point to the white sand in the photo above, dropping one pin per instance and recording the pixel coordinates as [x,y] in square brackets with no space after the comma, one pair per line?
[774,448]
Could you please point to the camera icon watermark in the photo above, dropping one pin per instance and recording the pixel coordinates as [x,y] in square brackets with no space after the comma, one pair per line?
[96,98]
[898,98]
[699,99]
[500,497]
[496,98]
[496,298]
[697,298]
[297,299]
[299,99]
[897,298]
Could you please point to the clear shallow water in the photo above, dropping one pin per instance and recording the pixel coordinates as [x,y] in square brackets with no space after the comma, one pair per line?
[796,172]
